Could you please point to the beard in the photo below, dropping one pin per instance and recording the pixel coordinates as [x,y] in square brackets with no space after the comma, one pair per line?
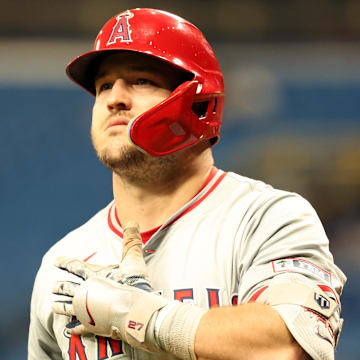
[136,167]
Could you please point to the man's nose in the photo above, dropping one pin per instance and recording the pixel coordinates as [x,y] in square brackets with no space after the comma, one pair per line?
[119,97]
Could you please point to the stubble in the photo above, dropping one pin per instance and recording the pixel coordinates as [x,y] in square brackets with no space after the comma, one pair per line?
[136,167]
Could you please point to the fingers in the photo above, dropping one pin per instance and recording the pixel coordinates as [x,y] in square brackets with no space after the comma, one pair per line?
[133,262]
[63,308]
[65,288]
[132,239]
[133,267]
[74,266]
[68,288]
[102,270]
[75,327]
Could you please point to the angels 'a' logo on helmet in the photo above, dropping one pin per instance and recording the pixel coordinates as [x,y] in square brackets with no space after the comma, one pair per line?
[121,29]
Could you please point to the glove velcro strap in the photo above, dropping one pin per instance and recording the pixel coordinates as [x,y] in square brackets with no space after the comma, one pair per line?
[110,309]
[143,307]
[299,294]
[176,332]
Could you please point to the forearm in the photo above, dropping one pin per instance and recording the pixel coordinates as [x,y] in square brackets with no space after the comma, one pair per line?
[249,331]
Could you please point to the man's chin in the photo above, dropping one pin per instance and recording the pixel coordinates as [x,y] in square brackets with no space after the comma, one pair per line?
[126,158]
[137,167]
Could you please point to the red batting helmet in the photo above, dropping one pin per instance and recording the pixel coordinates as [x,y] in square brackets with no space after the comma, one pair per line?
[171,125]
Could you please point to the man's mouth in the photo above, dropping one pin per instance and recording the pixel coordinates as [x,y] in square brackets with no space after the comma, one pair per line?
[117,122]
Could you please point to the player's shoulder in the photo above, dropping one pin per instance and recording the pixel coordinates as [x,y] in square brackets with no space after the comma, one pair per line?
[262,194]
[254,186]
[77,241]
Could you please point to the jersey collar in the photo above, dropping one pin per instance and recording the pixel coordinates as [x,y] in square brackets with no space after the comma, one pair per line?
[210,184]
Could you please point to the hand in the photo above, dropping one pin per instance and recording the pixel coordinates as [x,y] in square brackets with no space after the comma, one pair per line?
[132,271]
[118,302]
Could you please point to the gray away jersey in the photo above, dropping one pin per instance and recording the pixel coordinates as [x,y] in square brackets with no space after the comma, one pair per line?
[220,249]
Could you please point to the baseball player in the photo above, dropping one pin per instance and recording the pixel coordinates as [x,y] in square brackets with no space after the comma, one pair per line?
[187,261]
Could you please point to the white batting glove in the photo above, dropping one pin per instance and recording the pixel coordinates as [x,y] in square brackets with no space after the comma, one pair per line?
[106,305]
[132,271]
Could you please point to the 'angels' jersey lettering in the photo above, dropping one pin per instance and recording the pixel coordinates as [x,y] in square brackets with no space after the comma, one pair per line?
[76,348]
[108,348]
[220,249]
[213,297]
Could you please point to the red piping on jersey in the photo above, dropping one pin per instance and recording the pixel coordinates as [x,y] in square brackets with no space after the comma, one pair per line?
[116,218]
[112,227]
[90,256]
[257,294]
[212,173]
[198,202]
[146,234]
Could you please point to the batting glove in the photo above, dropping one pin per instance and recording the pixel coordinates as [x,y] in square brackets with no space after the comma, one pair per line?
[117,302]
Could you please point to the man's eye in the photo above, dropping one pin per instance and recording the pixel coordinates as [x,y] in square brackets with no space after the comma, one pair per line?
[143,81]
[105,86]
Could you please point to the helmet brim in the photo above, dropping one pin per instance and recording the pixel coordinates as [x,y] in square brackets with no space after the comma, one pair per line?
[83,69]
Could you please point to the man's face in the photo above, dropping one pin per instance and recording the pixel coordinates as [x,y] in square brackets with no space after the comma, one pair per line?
[127,84]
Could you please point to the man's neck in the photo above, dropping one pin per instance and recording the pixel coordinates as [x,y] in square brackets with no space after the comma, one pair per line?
[153,204]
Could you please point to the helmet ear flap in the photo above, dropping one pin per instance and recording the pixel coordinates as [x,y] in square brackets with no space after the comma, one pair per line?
[173,125]
[169,126]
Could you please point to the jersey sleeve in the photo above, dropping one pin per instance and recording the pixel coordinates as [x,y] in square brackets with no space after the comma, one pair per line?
[42,343]
[284,234]
[286,263]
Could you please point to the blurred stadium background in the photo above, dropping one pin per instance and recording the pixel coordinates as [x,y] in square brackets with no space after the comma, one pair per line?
[292,119]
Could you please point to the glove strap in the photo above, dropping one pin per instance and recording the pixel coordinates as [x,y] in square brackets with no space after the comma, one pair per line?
[175,329]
